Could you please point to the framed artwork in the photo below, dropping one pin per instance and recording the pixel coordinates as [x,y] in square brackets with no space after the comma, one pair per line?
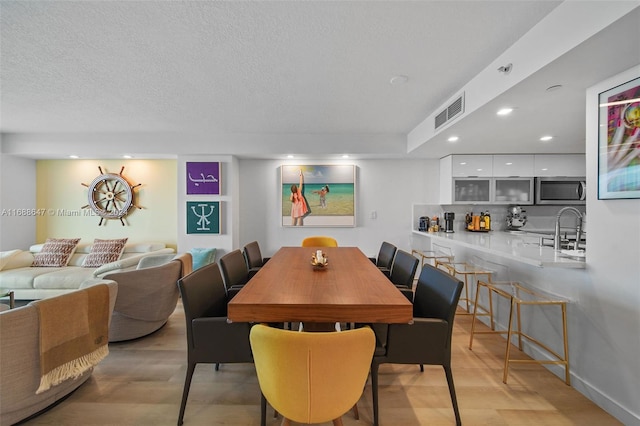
[619,142]
[203,217]
[203,178]
[316,195]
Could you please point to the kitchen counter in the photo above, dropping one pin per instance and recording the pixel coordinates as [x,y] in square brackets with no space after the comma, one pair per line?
[520,247]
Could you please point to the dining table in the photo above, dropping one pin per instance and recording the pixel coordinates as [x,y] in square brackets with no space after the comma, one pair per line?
[348,289]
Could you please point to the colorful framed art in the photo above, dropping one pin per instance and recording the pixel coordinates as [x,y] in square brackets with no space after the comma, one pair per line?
[203,217]
[318,195]
[203,178]
[619,142]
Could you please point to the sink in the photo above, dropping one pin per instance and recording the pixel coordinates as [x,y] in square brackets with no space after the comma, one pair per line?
[545,238]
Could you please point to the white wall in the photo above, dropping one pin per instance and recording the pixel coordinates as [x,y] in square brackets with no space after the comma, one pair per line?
[60,193]
[387,187]
[611,298]
[17,194]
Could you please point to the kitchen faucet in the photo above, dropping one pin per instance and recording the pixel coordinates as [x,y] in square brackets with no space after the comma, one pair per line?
[556,237]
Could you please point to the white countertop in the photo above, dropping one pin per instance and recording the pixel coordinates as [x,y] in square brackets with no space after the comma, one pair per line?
[519,247]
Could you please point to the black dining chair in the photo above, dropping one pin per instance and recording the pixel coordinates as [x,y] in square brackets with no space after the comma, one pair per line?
[403,269]
[428,339]
[384,261]
[234,271]
[253,257]
[210,337]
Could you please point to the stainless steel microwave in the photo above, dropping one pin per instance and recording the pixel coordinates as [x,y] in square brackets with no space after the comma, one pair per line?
[561,190]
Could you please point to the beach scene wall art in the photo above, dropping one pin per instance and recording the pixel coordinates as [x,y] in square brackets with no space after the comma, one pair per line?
[318,195]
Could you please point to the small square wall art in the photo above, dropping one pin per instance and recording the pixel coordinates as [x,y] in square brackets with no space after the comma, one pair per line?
[203,217]
[203,178]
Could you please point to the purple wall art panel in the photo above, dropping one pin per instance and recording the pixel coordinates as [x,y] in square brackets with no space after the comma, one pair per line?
[203,178]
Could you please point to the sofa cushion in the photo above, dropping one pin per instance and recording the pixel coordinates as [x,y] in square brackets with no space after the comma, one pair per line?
[104,251]
[144,247]
[15,259]
[21,278]
[56,252]
[5,256]
[68,278]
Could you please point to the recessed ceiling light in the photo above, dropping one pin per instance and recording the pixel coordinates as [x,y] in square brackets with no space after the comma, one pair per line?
[479,170]
[505,111]
[73,156]
[544,169]
[398,80]
[127,156]
[508,164]
[453,139]
[546,138]
[345,155]
[463,163]
[289,156]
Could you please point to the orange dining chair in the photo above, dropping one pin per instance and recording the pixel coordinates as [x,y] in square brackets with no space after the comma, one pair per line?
[319,241]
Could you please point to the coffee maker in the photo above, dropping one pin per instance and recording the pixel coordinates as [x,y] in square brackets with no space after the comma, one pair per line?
[448,221]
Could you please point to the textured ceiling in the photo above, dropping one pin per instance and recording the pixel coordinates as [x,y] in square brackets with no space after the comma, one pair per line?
[267,68]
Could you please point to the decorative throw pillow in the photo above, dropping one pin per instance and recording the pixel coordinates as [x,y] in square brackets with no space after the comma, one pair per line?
[104,251]
[202,256]
[55,252]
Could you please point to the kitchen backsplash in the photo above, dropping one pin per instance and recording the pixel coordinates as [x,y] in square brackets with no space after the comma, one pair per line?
[538,217]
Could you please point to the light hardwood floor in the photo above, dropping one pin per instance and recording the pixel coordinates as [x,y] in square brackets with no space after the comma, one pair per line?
[140,383]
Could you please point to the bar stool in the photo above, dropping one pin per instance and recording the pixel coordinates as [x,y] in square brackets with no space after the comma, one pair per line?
[465,270]
[519,295]
[438,253]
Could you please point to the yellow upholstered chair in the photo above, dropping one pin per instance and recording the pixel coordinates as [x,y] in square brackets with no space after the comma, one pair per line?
[312,377]
[319,241]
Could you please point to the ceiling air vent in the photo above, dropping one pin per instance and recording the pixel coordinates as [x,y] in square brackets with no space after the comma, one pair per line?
[453,110]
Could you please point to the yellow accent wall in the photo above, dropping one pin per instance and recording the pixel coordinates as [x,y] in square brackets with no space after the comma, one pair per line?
[60,197]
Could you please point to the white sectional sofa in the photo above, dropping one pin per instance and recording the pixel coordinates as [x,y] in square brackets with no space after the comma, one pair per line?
[30,283]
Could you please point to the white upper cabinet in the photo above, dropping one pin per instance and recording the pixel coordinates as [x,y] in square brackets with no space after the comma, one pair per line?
[559,165]
[472,165]
[513,166]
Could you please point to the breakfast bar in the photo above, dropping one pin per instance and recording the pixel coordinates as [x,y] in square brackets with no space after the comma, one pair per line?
[527,275]
[519,247]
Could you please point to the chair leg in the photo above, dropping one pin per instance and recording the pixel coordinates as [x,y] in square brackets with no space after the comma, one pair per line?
[452,392]
[374,391]
[355,411]
[422,368]
[263,410]
[337,422]
[217,366]
[185,392]
[286,422]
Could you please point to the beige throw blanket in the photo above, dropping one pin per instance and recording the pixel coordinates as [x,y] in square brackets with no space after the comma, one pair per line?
[74,332]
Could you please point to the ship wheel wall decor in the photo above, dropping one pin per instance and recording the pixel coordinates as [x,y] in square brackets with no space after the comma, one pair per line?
[110,196]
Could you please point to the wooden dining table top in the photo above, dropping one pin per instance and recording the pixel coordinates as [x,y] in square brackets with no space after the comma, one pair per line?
[349,289]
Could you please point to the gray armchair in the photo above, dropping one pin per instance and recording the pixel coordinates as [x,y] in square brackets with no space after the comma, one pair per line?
[253,257]
[210,338]
[384,261]
[428,339]
[146,296]
[235,271]
[403,269]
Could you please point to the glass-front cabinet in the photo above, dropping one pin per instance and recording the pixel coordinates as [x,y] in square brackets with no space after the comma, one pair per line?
[513,190]
[493,191]
[472,190]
